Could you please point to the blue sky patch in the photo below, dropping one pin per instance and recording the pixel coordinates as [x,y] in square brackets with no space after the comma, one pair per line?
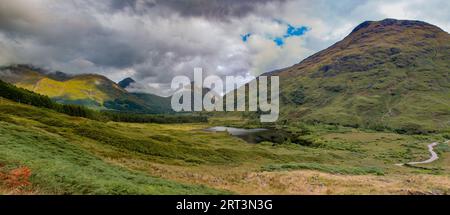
[291,31]
[279,41]
[294,31]
[245,37]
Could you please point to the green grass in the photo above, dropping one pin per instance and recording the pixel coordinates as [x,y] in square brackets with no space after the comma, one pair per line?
[60,167]
[71,155]
[325,168]
[442,148]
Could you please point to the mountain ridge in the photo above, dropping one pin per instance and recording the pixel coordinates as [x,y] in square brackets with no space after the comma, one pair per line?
[388,74]
[375,77]
[361,29]
[91,90]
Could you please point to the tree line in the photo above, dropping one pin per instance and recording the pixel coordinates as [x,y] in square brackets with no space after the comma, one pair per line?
[153,118]
[24,96]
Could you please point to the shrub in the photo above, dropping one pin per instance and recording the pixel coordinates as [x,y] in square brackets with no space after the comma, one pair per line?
[298,96]
[17,178]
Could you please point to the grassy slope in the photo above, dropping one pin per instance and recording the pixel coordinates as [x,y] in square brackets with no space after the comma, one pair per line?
[71,90]
[92,88]
[33,138]
[75,155]
[383,75]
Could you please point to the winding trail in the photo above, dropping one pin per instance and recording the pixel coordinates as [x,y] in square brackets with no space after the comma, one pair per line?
[433,157]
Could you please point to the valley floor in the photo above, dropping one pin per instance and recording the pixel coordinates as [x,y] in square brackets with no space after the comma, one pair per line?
[44,152]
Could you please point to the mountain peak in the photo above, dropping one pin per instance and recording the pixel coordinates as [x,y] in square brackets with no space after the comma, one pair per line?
[370,25]
[378,75]
[126,82]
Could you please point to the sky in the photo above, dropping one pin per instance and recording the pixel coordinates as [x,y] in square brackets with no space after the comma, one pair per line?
[154,40]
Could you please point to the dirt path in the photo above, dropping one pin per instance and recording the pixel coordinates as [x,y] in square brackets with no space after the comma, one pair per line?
[433,157]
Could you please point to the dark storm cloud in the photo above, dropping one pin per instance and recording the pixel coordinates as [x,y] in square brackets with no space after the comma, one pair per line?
[203,8]
[155,40]
[131,4]
[56,36]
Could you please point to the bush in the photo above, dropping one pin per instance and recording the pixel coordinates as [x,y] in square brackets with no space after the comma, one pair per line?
[298,96]
[411,129]
[335,89]
[16,178]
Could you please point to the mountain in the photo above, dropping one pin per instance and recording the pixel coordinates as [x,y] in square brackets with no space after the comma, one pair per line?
[94,91]
[126,82]
[385,74]
[157,104]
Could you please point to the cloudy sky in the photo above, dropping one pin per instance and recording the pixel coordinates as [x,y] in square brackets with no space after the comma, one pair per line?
[154,40]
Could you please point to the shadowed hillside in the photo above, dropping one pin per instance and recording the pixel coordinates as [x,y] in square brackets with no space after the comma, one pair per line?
[387,74]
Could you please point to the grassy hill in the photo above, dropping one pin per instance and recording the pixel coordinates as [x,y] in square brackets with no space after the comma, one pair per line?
[49,146]
[46,152]
[386,74]
[48,149]
[94,91]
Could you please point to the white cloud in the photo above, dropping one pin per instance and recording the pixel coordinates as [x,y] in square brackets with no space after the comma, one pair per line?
[153,41]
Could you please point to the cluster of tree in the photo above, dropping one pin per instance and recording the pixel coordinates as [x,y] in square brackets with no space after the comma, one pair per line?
[153,118]
[24,96]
